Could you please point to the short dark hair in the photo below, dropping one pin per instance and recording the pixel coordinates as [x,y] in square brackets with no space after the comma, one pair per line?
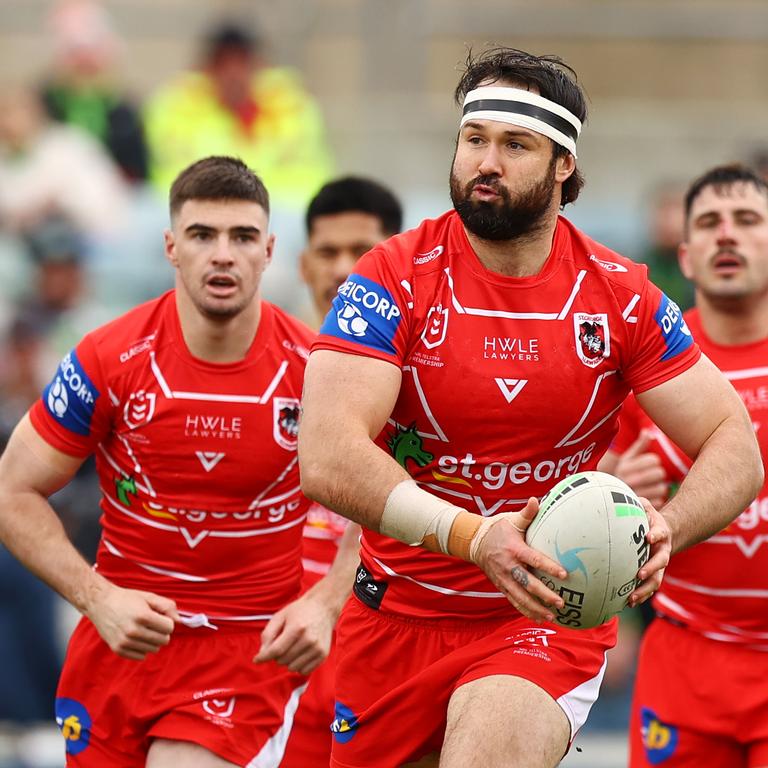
[229,36]
[218,178]
[554,79]
[359,195]
[722,178]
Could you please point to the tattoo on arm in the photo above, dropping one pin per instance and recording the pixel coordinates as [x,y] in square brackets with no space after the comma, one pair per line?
[520,575]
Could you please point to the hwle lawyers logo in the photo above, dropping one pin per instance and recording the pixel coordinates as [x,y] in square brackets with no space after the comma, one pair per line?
[217,427]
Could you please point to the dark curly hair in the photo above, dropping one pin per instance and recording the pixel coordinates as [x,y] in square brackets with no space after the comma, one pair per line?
[551,76]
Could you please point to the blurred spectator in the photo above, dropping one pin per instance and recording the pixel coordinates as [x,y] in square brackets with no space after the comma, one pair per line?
[48,169]
[758,160]
[58,300]
[665,232]
[237,105]
[81,90]
[31,659]
[54,315]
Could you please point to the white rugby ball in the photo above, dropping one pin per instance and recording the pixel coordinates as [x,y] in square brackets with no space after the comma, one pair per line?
[594,525]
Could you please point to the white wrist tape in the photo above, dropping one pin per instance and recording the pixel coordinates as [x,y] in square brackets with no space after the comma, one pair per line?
[418,518]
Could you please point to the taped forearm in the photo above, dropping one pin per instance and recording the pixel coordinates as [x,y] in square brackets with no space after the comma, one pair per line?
[418,518]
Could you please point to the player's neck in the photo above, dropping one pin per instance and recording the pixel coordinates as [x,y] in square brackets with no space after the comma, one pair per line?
[736,322]
[218,340]
[523,256]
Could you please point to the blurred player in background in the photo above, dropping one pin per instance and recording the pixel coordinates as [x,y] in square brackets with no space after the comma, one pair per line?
[190,403]
[701,696]
[345,219]
[485,355]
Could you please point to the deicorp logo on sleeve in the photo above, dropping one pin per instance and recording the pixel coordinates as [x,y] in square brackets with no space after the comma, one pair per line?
[677,337]
[364,312]
[71,397]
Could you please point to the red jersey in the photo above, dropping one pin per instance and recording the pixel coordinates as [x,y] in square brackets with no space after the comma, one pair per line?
[725,601]
[508,384]
[197,461]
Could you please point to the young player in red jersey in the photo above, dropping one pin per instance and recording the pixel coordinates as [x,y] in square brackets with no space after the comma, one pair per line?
[345,219]
[467,366]
[700,694]
[190,403]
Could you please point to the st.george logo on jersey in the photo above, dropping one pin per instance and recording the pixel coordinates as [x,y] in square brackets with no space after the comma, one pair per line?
[593,338]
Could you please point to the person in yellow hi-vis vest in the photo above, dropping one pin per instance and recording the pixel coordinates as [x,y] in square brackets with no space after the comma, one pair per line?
[236,105]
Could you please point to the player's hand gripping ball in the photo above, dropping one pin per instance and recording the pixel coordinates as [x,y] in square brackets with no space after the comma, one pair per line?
[594,525]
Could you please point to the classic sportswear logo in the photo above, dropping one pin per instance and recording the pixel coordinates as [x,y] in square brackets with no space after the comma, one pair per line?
[71,396]
[365,313]
[424,258]
[608,266]
[142,345]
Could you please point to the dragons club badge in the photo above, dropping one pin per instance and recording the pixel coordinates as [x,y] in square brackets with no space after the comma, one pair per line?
[285,427]
[593,338]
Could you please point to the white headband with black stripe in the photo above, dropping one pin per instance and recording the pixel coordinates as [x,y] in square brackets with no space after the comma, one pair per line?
[523,108]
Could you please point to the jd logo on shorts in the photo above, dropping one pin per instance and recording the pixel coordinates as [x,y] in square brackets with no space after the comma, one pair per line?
[659,739]
[344,723]
[74,723]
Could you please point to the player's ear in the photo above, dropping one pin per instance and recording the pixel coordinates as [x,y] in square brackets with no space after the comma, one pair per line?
[170,248]
[270,249]
[684,260]
[565,165]
[304,264]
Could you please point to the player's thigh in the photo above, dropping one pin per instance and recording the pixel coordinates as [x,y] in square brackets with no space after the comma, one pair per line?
[167,753]
[503,721]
